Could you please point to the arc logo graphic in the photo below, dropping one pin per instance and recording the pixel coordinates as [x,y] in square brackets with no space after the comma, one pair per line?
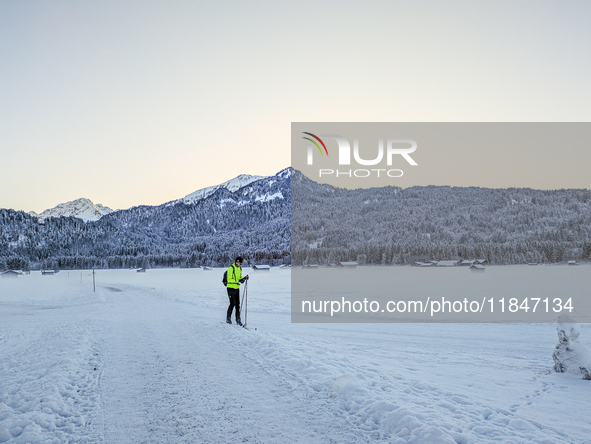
[319,140]
[394,146]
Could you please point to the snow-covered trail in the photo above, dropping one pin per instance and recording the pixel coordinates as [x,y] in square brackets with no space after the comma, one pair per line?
[147,359]
[171,375]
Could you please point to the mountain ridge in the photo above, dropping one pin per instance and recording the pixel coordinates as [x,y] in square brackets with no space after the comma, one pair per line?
[252,221]
[81,208]
[233,185]
[288,218]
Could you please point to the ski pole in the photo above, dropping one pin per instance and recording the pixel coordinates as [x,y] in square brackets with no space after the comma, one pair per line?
[244,302]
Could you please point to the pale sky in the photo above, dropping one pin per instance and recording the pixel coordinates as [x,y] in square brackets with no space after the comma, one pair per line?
[139,103]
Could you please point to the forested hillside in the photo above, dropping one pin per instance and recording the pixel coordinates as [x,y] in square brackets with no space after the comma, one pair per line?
[395,226]
[289,218]
[253,222]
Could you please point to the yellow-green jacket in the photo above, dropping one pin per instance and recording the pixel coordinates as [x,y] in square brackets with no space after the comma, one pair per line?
[234,275]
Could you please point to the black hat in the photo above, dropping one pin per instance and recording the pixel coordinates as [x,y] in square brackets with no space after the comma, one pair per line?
[239,259]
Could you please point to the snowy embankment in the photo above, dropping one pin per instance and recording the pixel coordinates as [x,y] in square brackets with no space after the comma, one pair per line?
[168,370]
[48,367]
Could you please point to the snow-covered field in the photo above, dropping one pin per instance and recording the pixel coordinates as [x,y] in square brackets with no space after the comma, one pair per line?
[147,359]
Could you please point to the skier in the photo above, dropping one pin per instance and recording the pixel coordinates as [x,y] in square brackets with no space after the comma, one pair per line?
[235,278]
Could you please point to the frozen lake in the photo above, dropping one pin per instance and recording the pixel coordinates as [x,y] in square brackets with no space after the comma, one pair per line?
[147,359]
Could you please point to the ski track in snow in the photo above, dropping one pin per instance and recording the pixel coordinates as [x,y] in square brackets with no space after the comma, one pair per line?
[146,359]
[169,377]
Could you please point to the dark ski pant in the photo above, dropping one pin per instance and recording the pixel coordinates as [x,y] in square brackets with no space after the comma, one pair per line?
[234,297]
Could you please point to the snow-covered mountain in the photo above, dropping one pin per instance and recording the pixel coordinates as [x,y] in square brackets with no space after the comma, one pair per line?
[81,208]
[252,221]
[86,210]
[231,185]
[375,226]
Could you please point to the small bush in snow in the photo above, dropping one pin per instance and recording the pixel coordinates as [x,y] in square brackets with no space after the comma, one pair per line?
[570,356]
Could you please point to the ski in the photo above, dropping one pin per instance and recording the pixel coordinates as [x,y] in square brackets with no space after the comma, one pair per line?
[246,328]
